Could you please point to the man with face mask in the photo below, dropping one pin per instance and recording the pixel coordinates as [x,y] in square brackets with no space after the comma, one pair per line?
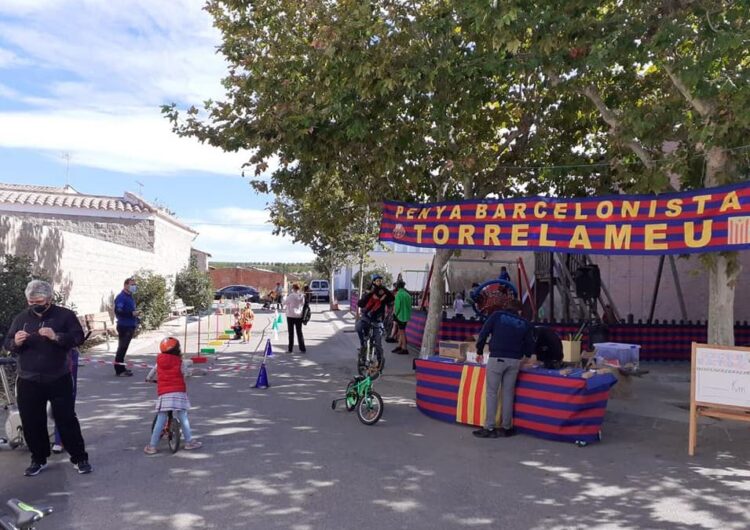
[127,322]
[42,337]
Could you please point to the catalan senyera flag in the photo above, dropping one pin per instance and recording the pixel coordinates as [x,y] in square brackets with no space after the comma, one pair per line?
[471,403]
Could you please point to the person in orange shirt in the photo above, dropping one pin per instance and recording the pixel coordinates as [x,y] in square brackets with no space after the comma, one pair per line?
[246,321]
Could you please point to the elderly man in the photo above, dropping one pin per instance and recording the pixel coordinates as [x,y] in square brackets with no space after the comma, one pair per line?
[42,337]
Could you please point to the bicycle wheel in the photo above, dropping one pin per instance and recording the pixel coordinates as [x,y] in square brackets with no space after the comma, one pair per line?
[370,408]
[351,395]
[175,433]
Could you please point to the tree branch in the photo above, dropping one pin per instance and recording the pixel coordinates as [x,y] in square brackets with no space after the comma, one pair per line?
[704,108]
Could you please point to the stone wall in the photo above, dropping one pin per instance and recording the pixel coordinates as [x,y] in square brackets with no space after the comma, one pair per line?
[136,233]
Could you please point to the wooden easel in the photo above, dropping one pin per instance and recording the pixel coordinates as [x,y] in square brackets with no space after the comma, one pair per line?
[721,409]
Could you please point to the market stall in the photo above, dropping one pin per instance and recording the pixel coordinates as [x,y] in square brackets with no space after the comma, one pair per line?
[548,404]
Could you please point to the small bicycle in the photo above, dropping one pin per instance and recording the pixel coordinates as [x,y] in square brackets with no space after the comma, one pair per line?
[367,360]
[23,516]
[171,431]
[360,396]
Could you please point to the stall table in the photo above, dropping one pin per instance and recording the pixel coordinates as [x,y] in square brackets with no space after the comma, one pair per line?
[549,405]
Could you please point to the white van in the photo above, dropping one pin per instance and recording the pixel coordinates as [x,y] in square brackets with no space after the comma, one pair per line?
[319,291]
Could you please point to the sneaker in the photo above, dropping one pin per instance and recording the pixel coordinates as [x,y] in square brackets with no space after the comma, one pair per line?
[34,469]
[507,433]
[150,450]
[83,467]
[57,449]
[396,350]
[403,351]
[193,444]
[391,340]
[486,433]
[126,373]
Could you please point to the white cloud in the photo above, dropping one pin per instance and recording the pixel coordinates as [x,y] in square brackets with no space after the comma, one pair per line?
[8,59]
[136,141]
[107,67]
[239,234]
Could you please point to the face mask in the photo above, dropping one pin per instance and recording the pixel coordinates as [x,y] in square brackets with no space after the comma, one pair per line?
[39,308]
[132,288]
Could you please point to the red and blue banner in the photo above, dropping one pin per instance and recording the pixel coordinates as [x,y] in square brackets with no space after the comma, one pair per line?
[706,220]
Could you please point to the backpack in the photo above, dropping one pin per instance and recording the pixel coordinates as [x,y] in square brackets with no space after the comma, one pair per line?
[306,314]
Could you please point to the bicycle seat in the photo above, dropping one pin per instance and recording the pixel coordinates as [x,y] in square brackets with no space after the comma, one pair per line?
[7,360]
[26,514]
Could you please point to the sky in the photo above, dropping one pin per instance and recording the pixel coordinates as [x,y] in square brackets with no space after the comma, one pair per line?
[81,85]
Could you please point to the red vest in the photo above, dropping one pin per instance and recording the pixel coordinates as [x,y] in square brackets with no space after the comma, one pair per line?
[169,374]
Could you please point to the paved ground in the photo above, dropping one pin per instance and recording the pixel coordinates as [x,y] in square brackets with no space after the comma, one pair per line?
[282,458]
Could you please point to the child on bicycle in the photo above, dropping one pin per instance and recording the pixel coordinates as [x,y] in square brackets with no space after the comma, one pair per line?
[169,374]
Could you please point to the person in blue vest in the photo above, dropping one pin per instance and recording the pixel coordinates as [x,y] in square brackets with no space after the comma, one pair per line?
[127,322]
[512,338]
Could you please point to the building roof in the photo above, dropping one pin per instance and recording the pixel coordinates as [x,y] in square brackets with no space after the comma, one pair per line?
[68,197]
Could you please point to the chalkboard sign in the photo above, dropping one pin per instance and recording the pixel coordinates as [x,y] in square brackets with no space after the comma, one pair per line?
[719,385]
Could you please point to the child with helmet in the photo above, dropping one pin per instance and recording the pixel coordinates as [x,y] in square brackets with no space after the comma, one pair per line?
[169,374]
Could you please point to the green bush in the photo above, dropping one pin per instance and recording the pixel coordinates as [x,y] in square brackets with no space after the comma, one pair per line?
[15,274]
[194,287]
[152,299]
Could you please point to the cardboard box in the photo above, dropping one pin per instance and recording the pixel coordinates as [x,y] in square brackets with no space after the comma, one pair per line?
[571,351]
[453,349]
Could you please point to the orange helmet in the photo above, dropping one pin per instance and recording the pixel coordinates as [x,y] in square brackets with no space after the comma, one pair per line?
[169,345]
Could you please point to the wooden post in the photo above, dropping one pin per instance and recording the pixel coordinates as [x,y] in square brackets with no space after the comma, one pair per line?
[693,432]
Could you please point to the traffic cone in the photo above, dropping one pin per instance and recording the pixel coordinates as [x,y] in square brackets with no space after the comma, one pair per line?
[269,349]
[262,381]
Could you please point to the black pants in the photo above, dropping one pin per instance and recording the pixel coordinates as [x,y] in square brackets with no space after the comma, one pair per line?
[124,336]
[32,404]
[291,324]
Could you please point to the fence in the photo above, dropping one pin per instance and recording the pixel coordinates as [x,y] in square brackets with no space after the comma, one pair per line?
[659,341]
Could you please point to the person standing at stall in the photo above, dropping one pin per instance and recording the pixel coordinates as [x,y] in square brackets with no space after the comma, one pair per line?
[127,322]
[512,338]
[402,315]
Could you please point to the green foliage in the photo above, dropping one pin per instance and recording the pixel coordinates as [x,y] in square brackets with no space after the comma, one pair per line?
[15,274]
[387,278]
[194,287]
[152,298]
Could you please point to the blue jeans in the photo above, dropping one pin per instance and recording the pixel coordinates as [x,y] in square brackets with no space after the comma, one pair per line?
[161,420]
[363,328]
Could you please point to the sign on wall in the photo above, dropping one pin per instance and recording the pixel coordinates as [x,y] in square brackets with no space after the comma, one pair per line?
[719,385]
[703,220]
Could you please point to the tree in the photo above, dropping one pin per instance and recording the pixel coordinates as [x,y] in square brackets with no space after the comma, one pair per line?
[194,287]
[361,102]
[668,81]
[152,298]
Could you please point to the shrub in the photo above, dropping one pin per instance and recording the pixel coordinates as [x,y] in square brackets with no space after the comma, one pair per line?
[194,287]
[152,298]
[15,274]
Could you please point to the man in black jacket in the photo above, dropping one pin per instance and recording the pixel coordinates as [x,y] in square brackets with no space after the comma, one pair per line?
[373,306]
[41,337]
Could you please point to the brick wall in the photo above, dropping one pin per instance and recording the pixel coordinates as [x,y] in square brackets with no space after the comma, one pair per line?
[261,280]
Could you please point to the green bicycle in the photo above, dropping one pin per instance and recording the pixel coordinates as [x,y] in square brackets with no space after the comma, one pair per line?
[361,396]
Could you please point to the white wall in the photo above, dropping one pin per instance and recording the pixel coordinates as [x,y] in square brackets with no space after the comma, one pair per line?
[89,271]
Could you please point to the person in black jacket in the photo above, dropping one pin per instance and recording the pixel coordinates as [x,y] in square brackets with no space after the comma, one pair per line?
[373,306]
[42,337]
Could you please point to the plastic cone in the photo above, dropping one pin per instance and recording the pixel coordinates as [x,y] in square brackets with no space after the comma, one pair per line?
[262,381]
[269,349]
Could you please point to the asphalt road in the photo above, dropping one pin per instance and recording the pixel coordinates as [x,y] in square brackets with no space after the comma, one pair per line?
[281,458]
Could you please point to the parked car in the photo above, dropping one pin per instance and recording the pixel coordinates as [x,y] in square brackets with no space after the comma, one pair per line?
[241,292]
[320,291]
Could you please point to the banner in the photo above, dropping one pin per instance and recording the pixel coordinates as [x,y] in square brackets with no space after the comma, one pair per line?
[705,220]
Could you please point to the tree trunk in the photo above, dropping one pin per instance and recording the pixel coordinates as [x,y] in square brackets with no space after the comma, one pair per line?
[331,293]
[361,281]
[435,308]
[723,268]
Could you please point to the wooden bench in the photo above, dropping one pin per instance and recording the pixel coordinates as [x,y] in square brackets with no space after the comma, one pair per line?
[100,324]
[179,308]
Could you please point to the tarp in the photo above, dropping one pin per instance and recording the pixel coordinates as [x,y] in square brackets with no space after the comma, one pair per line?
[706,220]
